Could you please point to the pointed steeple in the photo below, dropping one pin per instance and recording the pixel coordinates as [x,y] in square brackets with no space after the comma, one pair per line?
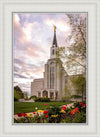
[54,39]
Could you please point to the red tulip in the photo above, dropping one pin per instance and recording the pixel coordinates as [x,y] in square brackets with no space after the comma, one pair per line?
[71,112]
[63,107]
[76,108]
[84,105]
[46,116]
[24,114]
[45,104]
[45,112]
[20,114]
[74,111]
[81,104]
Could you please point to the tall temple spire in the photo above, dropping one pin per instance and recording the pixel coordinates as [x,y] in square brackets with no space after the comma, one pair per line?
[54,39]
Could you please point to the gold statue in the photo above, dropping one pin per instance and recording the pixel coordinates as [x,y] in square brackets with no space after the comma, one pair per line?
[54,28]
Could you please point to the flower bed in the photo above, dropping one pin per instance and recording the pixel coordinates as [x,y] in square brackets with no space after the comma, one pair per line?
[71,113]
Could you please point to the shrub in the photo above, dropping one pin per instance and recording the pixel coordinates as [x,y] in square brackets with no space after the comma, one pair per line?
[75,96]
[45,99]
[42,99]
[33,97]
[79,118]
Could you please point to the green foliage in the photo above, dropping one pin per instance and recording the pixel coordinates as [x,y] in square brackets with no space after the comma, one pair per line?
[75,96]
[33,97]
[56,115]
[24,107]
[79,118]
[42,99]
[66,120]
[17,88]
[20,120]
[77,49]
[26,96]
[54,111]
[18,94]
[66,98]
[81,108]
[32,119]
[67,93]
[75,54]
[79,82]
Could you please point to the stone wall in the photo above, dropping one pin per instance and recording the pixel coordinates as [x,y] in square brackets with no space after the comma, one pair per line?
[37,85]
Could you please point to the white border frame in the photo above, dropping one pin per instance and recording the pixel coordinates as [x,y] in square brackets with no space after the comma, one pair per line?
[93,9]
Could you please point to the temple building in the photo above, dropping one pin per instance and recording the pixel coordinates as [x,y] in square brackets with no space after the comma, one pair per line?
[55,77]
[54,81]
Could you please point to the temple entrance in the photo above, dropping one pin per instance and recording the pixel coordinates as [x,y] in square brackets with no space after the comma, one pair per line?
[45,93]
[51,95]
[39,94]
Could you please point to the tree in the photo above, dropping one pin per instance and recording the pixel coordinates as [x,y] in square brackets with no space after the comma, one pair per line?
[26,96]
[79,83]
[75,54]
[77,50]
[18,94]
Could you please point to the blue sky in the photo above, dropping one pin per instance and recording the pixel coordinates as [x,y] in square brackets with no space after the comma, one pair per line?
[33,36]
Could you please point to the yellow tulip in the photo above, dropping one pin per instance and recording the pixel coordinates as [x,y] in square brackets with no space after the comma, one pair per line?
[40,111]
[54,115]
[29,115]
[63,111]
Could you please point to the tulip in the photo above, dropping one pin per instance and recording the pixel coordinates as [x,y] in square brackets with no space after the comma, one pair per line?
[45,112]
[63,111]
[40,111]
[80,104]
[20,114]
[24,114]
[46,116]
[84,105]
[63,107]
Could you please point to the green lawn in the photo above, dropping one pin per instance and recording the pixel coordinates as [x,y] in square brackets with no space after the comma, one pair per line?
[24,107]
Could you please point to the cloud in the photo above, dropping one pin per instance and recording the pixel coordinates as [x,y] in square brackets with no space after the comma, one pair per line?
[33,35]
[61,24]
[20,76]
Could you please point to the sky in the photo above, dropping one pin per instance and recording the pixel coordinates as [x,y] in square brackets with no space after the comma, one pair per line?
[32,38]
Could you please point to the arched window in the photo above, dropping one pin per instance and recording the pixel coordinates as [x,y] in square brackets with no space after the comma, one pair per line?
[52,72]
[52,51]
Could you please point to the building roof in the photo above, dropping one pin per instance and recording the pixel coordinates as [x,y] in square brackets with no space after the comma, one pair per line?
[54,38]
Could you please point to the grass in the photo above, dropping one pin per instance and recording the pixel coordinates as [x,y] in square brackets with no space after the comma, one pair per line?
[24,107]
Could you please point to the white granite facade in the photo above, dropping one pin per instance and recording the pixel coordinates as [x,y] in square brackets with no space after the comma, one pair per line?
[53,82]
[55,78]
